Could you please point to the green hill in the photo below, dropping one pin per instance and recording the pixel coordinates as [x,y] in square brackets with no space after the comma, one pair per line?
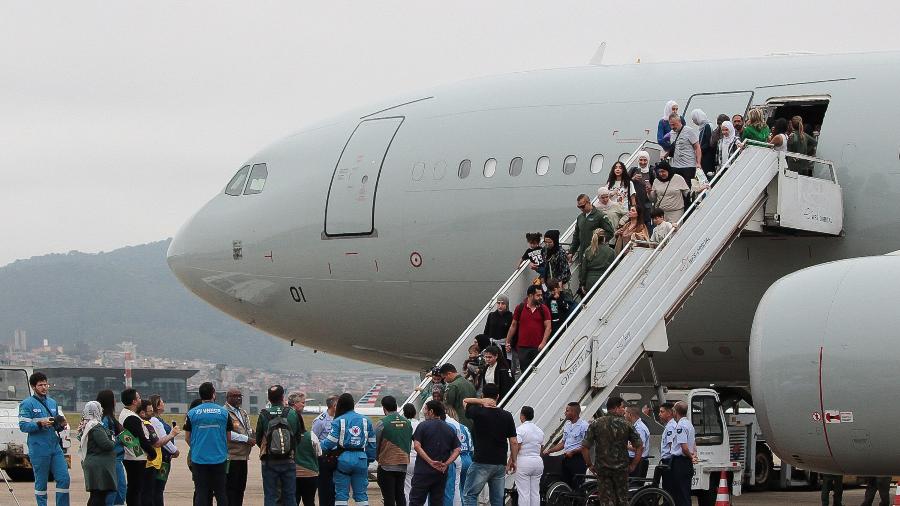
[130,294]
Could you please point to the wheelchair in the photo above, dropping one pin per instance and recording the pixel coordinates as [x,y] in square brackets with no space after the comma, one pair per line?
[641,491]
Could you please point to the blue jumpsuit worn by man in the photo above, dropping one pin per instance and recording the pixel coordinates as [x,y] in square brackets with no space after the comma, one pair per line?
[353,435]
[39,417]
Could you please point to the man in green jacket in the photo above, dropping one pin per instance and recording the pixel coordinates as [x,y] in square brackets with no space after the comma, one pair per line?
[457,389]
[393,439]
[589,220]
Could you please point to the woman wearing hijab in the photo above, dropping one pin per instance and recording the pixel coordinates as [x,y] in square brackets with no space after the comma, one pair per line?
[728,144]
[707,149]
[98,454]
[641,191]
[668,192]
[557,264]
[717,132]
[756,129]
[107,400]
[663,129]
[643,160]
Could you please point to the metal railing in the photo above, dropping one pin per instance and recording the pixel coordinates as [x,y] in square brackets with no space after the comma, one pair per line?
[621,293]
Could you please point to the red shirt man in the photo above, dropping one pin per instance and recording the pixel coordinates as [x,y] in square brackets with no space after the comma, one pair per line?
[532,322]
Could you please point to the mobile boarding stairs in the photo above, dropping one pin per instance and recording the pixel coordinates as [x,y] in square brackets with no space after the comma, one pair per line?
[624,314]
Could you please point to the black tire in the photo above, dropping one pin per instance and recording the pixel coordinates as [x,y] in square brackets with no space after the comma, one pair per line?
[765,471]
[558,494]
[651,496]
[20,474]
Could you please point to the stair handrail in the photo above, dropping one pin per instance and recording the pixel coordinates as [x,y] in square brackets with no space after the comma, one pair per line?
[475,321]
[638,274]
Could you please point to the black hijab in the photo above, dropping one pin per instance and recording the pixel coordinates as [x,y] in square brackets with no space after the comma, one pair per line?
[664,165]
[554,235]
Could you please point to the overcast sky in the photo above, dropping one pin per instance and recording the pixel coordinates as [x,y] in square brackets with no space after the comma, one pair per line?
[120,119]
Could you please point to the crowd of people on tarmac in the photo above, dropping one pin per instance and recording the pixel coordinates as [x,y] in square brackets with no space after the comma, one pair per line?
[461,442]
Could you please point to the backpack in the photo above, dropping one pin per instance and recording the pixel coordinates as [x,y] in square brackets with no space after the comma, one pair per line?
[279,438]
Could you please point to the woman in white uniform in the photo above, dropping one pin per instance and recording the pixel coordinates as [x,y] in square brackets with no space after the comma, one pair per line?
[529,465]
[409,412]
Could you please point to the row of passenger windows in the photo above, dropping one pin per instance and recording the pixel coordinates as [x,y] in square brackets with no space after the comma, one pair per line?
[542,167]
[251,185]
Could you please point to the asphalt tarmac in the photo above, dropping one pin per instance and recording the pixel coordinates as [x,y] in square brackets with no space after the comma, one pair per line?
[179,490]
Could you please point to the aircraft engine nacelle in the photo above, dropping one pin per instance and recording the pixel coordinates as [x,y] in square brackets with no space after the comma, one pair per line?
[825,367]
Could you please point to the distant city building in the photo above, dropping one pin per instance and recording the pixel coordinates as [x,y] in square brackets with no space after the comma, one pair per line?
[20,340]
[72,387]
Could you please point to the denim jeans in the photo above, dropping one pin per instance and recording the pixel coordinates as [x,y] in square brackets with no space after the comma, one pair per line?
[117,497]
[279,475]
[478,475]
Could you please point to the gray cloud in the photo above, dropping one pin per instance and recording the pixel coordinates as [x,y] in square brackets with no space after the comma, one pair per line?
[120,119]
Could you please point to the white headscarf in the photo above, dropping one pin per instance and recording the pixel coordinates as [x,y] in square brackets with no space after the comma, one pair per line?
[668,110]
[90,418]
[726,141]
[729,139]
[644,170]
[699,117]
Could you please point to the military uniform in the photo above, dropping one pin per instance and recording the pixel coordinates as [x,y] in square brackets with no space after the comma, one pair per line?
[608,438]
[665,456]
[682,471]
[585,225]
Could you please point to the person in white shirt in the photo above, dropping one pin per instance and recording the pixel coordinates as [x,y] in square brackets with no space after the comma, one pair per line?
[452,493]
[573,464]
[683,458]
[529,465]
[667,417]
[633,415]
[409,412]
[166,441]
[661,227]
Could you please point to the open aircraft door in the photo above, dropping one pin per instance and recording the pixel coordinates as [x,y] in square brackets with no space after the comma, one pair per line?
[350,209]
[719,102]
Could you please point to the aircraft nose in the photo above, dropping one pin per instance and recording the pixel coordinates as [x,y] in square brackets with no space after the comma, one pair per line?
[195,250]
[177,255]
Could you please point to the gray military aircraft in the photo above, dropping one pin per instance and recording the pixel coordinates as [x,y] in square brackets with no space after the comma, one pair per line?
[376,235]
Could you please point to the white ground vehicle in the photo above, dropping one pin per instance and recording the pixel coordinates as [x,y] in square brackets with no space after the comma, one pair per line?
[14,388]
[712,435]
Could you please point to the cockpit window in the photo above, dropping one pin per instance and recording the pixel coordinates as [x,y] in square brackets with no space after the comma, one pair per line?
[257,179]
[236,185]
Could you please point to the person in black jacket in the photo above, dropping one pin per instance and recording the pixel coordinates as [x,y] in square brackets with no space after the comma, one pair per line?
[496,371]
[497,325]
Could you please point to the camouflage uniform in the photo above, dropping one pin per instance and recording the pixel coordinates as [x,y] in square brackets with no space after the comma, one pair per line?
[607,439]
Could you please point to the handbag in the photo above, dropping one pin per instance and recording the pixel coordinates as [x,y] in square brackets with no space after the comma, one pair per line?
[330,459]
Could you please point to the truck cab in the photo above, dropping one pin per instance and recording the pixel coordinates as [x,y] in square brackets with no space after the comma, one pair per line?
[713,443]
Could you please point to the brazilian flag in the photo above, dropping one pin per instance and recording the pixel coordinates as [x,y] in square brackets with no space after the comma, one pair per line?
[132,444]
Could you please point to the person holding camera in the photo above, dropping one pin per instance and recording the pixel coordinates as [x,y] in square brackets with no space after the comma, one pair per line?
[40,418]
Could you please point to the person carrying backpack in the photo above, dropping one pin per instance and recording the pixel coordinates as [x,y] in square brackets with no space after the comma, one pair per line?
[278,430]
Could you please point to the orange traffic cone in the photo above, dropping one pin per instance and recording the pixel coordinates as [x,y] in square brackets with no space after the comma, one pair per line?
[722,498]
[897,494]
